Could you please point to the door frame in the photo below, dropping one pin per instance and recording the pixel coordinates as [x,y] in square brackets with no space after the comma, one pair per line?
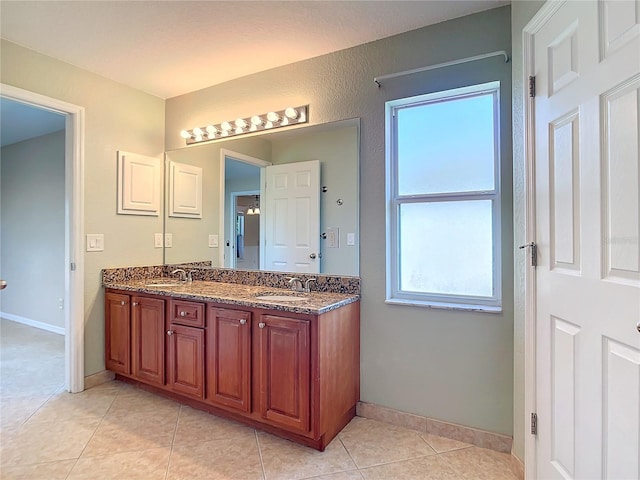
[528,33]
[74,228]
[240,157]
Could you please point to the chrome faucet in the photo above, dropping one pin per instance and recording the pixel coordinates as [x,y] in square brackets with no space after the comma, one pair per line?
[307,288]
[183,274]
[296,284]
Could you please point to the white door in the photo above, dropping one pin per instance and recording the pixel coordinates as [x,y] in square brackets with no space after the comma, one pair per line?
[587,70]
[292,217]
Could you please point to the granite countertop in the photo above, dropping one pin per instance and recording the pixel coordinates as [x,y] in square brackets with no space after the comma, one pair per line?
[238,294]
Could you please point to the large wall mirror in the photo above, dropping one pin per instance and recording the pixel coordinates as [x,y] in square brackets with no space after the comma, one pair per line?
[228,215]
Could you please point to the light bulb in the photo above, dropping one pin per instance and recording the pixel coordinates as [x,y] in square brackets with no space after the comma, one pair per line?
[253,128]
[256,211]
[256,120]
[303,117]
[239,130]
[198,132]
[185,134]
[291,112]
[198,138]
[241,123]
[285,121]
[250,211]
[226,126]
[211,130]
[273,117]
[268,125]
[224,133]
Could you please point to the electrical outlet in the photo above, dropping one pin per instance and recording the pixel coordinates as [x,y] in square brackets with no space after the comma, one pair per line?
[333,237]
[157,242]
[168,240]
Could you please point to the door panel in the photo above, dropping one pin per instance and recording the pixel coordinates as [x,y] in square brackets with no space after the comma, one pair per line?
[147,342]
[229,358]
[292,226]
[117,333]
[284,371]
[587,227]
[186,360]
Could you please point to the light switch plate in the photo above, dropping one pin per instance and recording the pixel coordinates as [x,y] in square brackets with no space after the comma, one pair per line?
[95,242]
[213,241]
[168,240]
[157,242]
[333,237]
[351,239]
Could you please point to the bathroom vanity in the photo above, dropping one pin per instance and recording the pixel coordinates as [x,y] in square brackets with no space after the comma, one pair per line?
[284,362]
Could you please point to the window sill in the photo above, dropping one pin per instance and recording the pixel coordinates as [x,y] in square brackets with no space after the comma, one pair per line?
[445,306]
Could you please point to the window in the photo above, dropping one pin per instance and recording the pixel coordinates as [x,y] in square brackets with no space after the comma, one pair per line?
[443,197]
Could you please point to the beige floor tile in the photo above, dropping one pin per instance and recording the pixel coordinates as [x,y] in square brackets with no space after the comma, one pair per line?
[370,442]
[48,471]
[283,459]
[424,468]
[140,465]
[137,431]
[195,426]
[90,404]
[223,459]
[14,411]
[47,442]
[480,464]
[443,444]
[350,475]
[137,401]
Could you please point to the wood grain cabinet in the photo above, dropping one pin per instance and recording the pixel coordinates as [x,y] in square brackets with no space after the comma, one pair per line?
[292,374]
[117,321]
[147,339]
[228,358]
[186,348]
[283,360]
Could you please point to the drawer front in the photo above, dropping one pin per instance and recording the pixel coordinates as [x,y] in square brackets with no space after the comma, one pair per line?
[186,313]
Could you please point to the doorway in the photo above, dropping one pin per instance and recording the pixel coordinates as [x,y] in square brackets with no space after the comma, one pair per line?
[71,299]
[245,208]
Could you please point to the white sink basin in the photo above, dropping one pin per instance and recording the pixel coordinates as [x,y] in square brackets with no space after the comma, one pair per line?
[166,284]
[281,298]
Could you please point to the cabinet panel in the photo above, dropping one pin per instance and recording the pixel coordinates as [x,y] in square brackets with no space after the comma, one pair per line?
[229,358]
[148,335]
[117,321]
[186,360]
[284,371]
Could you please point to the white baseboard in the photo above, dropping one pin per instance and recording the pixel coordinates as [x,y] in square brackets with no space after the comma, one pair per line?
[33,323]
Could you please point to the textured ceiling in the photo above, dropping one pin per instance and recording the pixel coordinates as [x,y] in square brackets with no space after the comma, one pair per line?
[169,48]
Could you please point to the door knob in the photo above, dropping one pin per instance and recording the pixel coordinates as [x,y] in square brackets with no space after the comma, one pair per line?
[262,324]
[182,314]
[312,256]
[242,321]
[169,332]
[638,327]
[3,284]
[123,303]
[135,304]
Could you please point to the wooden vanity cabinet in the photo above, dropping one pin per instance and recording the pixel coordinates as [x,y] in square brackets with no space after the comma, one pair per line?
[186,347]
[282,355]
[148,339]
[228,358]
[117,320]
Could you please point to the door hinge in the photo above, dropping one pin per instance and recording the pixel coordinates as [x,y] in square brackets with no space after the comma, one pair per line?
[534,424]
[73,267]
[534,252]
[532,86]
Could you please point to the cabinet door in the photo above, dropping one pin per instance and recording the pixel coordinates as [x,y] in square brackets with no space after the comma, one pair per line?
[117,333]
[229,358]
[147,339]
[186,360]
[284,371]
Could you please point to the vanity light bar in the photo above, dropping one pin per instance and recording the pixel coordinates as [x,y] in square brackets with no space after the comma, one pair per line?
[240,126]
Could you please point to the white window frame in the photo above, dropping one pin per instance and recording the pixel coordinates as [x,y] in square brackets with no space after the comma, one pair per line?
[394,201]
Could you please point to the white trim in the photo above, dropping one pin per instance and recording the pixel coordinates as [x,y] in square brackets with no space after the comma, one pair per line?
[74,227]
[33,323]
[241,157]
[528,32]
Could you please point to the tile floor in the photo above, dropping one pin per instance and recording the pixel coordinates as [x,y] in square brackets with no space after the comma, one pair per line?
[115,431]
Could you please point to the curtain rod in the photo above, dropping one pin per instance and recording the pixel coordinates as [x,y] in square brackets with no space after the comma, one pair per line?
[377,80]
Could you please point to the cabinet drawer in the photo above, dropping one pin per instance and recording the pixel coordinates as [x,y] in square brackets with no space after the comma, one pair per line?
[186,313]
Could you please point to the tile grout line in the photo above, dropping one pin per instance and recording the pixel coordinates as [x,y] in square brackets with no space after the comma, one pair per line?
[173,439]
[264,472]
